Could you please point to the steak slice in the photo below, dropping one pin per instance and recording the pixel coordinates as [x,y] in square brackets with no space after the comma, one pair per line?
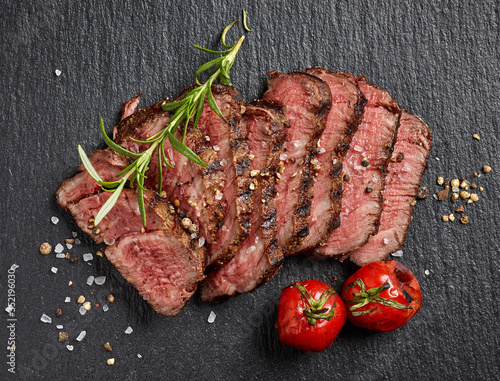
[364,171]
[106,162]
[208,196]
[129,106]
[343,120]
[259,257]
[405,172]
[124,218]
[164,265]
[308,100]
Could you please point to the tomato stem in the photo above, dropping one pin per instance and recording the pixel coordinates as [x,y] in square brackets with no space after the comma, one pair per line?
[372,295]
[315,308]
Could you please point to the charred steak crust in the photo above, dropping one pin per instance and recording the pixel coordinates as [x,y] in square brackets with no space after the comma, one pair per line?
[365,169]
[307,121]
[405,172]
[259,256]
[342,122]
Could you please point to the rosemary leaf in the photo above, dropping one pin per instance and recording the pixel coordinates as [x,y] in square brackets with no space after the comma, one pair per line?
[184,150]
[115,147]
[108,205]
[245,25]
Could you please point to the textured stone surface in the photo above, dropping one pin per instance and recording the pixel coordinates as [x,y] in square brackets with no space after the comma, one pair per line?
[440,60]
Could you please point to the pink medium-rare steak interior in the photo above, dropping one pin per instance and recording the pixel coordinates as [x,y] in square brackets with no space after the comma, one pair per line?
[164,271]
[307,100]
[364,171]
[405,172]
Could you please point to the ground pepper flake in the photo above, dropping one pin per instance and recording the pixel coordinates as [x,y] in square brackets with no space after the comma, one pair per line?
[63,336]
[423,192]
[365,162]
[443,195]
[107,347]
[45,248]
[58,312]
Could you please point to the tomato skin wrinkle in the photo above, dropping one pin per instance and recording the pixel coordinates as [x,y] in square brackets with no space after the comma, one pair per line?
[382,296]
[326,315]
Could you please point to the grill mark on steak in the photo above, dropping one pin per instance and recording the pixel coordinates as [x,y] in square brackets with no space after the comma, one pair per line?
[106,162]
[364,179]
[259,257]
[215,198]
[414,140]
[308,100]
[343,120]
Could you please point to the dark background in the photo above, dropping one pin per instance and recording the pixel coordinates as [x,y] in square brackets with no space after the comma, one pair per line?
[439,59]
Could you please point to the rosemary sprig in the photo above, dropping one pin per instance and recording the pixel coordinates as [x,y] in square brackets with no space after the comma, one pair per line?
[188,108]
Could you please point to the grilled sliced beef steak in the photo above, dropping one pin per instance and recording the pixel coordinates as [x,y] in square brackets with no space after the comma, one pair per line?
[343,120]
[258,256]
[164,266]
[364,171]
[308,100]
[124,218]
[405,172]
[106,162]
[215,198]
[129,106]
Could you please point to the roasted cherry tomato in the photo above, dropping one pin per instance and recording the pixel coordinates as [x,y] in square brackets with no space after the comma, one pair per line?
[310,315]
[381,296]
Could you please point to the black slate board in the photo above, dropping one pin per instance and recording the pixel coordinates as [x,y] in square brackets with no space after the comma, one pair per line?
[440,60]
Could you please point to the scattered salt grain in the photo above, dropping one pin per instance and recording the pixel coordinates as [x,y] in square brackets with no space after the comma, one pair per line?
[322,150]
[74,234]
[105,307]
[69,347]
[67,300]
[60,255]
[54,220]
[81,336]
[219,196]
[58,72]
[82,310]
[139,355]
[90,280]
[223,162]
[201,241]
[216,147]
[54,270]
[59,326]
[193,235]
[427,272]
[283,156]
[386,241]
[100,280]
[437,158]
[77,241]
[59,248]
[211,317]
[109,241]
[129,330]
[397,254]
[296,143]
[69,246]
[46,319]
[87,257]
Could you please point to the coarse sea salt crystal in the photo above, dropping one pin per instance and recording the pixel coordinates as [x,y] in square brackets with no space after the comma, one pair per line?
[54,270]
[60,255]
[211,317]
[74,234]
[59,248]
[201,241]
[219,196]
[81,336]
[87,257]
[59,326]
[54,220]
[82,310]
[216,147]
[69,347]
[46,319]
[283,156]
[322,150]
[90,280]
[69,246]
[58,72]
[100,280]
[427,272]
[77,241]
[105,307]
[109,241]
[193,235]
[397,254]
[139,355]
[67,300]
[223,162]
[129,330]
[386,241]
